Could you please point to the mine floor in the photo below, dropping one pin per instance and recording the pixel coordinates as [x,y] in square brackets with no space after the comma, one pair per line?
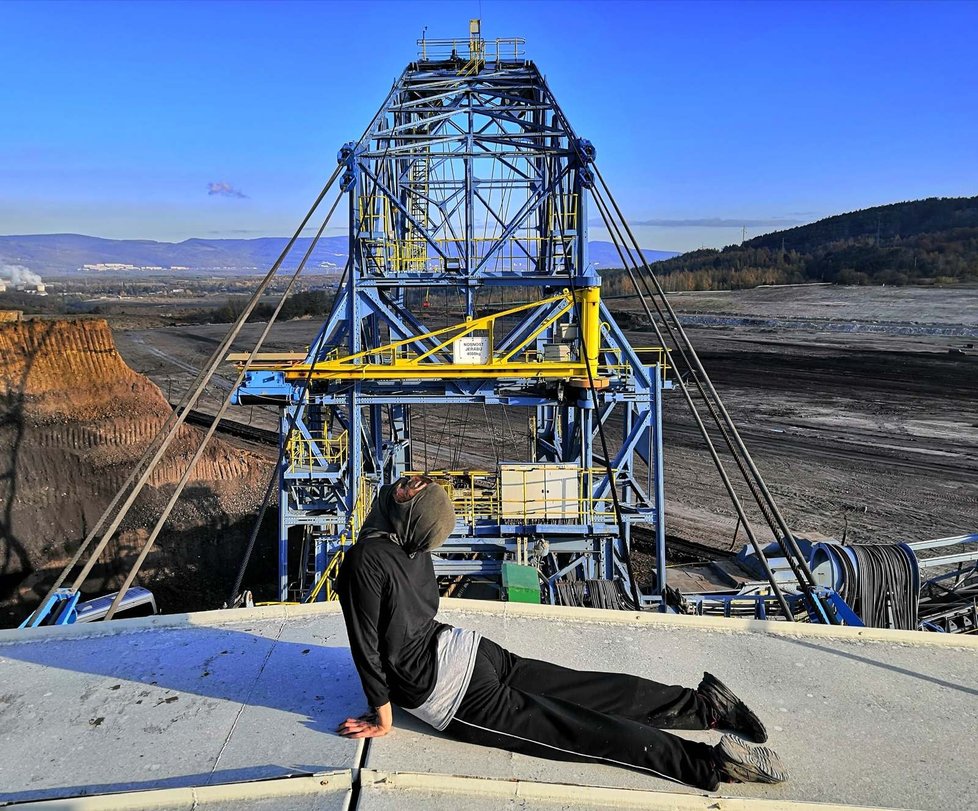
[868,435]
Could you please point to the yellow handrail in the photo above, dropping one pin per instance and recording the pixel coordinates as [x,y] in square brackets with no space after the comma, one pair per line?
[473,502]
[305,454]
[365,497]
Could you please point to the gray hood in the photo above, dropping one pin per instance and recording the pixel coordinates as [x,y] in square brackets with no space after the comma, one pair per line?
[417,525]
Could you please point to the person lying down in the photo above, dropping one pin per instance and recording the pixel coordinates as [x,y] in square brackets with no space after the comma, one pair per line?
[475,691]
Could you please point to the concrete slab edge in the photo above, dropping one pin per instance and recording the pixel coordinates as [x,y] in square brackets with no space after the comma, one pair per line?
[372,780]
[284,612]
[192,796]
[208,619]
[795,629]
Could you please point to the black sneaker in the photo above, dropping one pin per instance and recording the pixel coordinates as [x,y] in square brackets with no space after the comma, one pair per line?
[729,712]
[741,762]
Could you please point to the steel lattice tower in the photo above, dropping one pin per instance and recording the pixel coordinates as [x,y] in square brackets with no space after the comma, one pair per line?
[470,184]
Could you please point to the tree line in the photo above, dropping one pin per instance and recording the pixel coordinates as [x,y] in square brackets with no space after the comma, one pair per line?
[309,303]
[924,241]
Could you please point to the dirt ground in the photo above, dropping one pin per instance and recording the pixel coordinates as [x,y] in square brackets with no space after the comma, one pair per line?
[74,421]
[878,442]
[859,405]
[863,423]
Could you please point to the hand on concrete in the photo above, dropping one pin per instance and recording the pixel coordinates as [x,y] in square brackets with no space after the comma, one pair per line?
[372,724]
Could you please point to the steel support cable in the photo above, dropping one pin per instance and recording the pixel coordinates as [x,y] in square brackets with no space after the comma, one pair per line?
[628,264]
[461,439]
[304,388]
[424,437]
[150,457]
[293,419]
[765,513]
[105,514]
[718,463]
[738,507]
[441,437]
[798,563]
[491,429]
[219,353]
[216,359]
[699,386]
[188,472]
[167,431]
[697,367]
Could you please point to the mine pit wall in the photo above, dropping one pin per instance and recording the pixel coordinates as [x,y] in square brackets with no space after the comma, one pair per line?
[74,420]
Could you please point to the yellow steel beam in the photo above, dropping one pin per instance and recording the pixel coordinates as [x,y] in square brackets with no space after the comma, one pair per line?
[455,331]
[385,362]
[435,371]
[285,360]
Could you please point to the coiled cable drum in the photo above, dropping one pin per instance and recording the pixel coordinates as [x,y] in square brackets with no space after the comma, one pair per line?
[880,582]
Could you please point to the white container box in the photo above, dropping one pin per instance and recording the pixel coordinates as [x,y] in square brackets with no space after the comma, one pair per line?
[537,493]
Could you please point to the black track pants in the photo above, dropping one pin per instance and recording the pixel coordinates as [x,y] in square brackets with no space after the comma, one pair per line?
[537,708]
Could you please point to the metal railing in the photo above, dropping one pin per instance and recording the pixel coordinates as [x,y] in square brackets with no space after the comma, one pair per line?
[383,251]
[478,495]
[416,254]
[503,49]
[309,455]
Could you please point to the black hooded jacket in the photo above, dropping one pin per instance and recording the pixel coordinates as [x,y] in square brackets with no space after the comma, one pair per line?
[390,597]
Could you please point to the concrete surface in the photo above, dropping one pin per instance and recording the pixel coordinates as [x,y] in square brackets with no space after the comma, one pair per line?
[329,791]
[859,722]
[179,706]
[407,791]
[870,718]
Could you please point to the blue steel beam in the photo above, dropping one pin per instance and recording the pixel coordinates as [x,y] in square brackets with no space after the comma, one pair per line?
[462,184]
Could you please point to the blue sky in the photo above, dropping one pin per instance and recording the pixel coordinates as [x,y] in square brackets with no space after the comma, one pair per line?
[116,118]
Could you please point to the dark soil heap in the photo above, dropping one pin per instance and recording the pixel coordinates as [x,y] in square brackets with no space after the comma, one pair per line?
[74,420]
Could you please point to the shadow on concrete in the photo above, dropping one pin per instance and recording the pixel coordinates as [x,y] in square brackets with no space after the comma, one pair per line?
[317,683]
[893,668]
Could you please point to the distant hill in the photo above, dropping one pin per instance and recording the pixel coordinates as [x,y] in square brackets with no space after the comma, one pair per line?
[67,253]
[605,254]
[893,224]
[904,243]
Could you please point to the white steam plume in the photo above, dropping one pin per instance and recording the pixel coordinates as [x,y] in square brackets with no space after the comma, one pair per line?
[19,275]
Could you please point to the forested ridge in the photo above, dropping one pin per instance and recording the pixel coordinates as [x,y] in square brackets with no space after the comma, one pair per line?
[921,241]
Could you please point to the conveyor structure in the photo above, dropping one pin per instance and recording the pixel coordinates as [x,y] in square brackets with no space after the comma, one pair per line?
[470,188]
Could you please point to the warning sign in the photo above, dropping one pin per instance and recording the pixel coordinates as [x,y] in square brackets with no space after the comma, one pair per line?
[471,349]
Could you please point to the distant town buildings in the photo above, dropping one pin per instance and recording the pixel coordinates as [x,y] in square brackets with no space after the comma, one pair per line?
[37,288]
[114,266]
